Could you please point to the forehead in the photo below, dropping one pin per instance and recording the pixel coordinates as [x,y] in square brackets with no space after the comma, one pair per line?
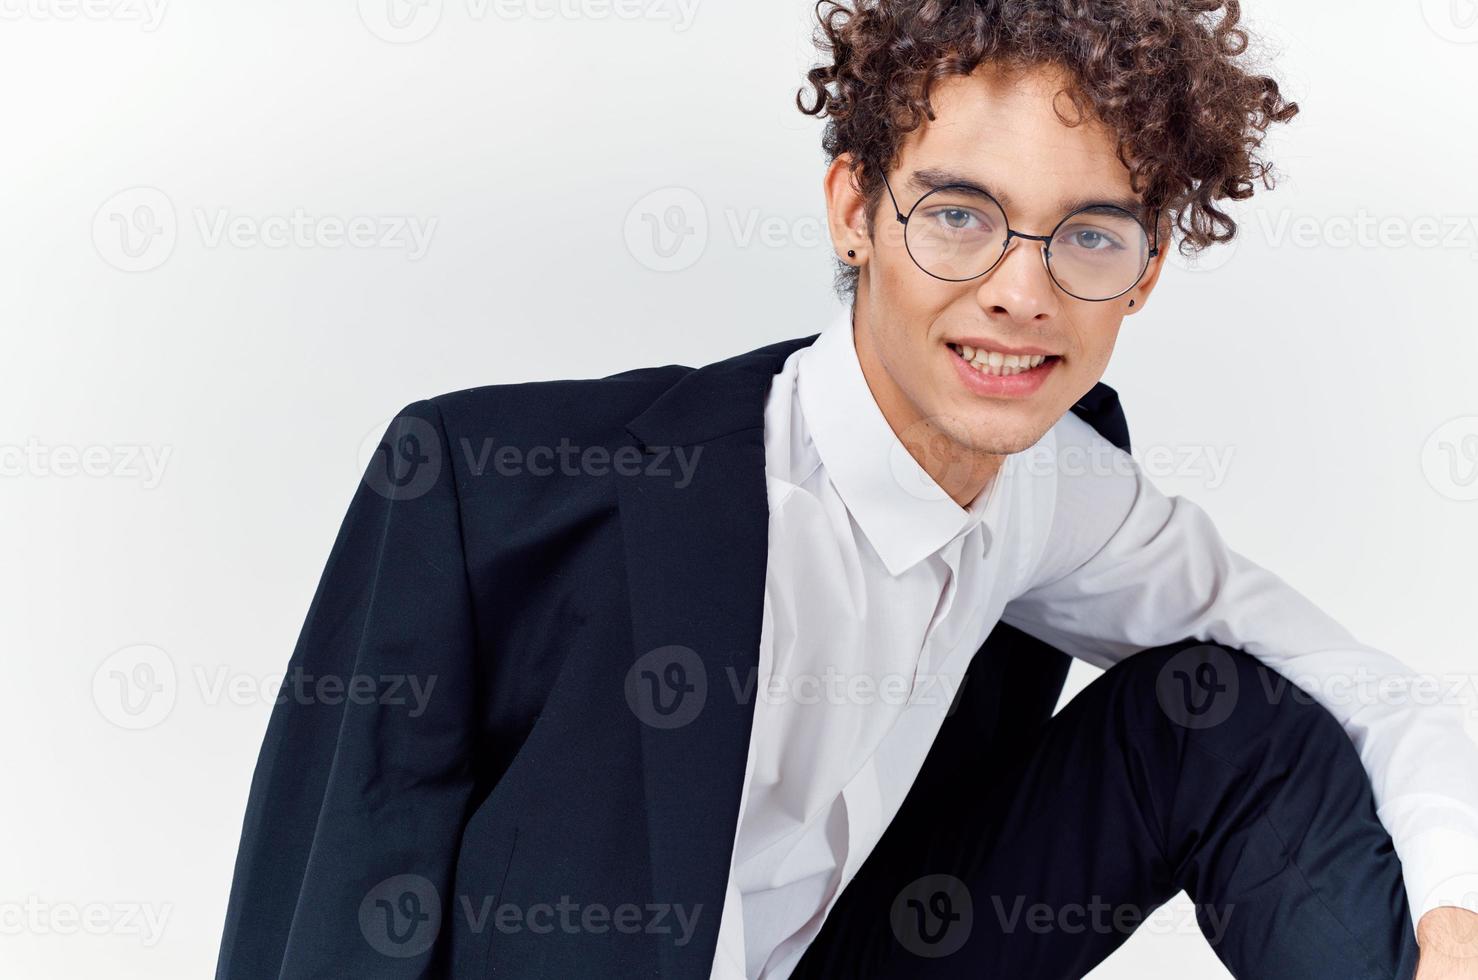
[999,126]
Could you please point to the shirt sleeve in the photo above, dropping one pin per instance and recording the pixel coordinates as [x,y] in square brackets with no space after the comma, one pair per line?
[1125,568]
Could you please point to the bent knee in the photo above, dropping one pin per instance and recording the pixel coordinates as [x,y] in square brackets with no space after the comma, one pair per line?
[1219,690]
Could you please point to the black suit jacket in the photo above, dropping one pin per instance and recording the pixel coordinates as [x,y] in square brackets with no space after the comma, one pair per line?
[513,734]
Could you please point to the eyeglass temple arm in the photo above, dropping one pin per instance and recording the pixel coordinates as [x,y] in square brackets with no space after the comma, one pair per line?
[898,212]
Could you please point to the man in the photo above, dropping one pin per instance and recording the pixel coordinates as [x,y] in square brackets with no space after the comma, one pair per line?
[746,671]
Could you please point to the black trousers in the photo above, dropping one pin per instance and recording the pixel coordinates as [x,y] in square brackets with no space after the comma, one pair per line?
[1190,766]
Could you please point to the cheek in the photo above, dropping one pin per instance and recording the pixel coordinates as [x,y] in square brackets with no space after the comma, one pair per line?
[1096,331]
[907,312]
[896,284]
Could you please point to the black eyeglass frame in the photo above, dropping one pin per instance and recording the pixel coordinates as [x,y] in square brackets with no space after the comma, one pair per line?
[1012,233]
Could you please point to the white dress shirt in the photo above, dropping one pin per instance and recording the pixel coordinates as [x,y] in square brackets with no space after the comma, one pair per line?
[879,588]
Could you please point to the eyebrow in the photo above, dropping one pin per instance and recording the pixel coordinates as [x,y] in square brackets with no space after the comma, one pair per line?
[933,178]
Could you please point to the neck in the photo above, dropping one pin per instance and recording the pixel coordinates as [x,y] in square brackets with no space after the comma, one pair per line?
[961,471]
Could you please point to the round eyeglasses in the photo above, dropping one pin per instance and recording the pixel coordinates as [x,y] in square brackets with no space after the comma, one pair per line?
[958,232]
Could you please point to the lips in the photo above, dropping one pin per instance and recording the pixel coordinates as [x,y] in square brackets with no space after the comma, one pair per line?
[980,382]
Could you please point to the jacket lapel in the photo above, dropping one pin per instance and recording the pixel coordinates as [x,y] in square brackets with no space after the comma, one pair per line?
[696,556]
[695,564]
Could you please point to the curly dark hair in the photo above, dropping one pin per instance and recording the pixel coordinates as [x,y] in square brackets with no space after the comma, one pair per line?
[1166,76]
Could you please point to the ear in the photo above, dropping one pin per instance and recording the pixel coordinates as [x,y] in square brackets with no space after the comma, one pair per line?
[846,211]
[1140,294]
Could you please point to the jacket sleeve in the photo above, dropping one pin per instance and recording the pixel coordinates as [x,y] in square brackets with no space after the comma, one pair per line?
[356,808]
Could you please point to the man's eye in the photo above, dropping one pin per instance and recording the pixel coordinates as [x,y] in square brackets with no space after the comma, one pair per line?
[1092,240]
[958,219]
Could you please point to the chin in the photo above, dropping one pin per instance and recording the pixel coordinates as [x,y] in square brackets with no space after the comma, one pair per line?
[989,433]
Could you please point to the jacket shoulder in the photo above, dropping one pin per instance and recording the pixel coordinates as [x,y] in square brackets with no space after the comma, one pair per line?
[592,410]
[1101,410]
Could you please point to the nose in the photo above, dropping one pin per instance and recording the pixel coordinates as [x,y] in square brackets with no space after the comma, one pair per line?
[1019,287]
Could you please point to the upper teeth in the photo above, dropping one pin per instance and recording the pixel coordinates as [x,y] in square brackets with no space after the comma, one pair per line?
[994,362]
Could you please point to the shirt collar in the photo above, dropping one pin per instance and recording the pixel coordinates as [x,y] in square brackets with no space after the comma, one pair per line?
[904,513]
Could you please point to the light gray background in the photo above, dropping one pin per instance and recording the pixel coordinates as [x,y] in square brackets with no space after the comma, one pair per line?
[541,144]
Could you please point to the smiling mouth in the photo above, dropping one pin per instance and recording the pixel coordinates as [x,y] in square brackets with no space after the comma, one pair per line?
[999,365]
